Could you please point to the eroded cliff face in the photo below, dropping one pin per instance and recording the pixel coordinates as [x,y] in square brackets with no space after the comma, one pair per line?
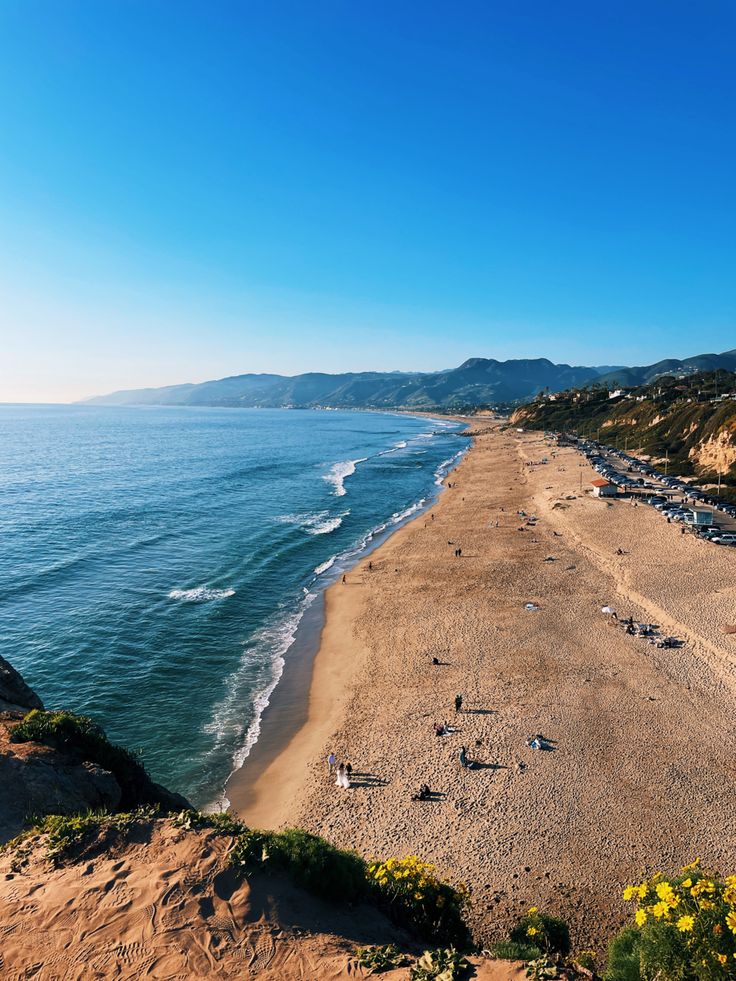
[40,778]
[15,694]
[716,454]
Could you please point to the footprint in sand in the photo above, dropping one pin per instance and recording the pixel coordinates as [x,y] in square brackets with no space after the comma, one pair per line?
[263,953]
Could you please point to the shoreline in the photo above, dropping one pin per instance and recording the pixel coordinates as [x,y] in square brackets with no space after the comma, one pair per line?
[286,713]
[564,829]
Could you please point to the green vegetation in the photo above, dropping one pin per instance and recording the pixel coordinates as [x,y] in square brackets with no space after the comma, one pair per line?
[440,965]
[409,890]
[542,969]
[377,959]
[668,418]
[624,957]
[685,929]
[416,896]
[547,932]
[510,950]
[63,832]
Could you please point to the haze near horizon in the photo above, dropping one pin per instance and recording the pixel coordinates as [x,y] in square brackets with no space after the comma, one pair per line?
[275,188]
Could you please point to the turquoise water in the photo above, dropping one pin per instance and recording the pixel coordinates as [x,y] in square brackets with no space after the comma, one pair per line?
[155,563]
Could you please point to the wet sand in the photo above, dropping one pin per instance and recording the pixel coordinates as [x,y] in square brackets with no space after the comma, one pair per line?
[639,774]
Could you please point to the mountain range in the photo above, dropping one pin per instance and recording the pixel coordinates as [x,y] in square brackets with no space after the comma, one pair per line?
[476,382]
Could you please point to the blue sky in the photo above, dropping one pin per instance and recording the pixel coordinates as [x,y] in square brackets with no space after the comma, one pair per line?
[189,190]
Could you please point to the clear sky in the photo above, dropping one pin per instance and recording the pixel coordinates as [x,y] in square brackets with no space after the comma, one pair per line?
[195,189]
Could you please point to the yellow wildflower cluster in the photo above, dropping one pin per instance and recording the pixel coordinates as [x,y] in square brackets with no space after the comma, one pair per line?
[695,906]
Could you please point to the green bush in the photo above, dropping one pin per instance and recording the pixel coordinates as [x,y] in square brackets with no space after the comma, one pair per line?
[548,932]
[312,863]
[623,956]
[440,965]
[416,897]
[63,832]
[377,959]
[687,925]
[508,950]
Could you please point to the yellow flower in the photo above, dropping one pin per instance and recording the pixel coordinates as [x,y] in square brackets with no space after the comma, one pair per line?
[722,958]
[692,866]
[533,910]
[667,894]
[641,917]
[686,883]
[531,932]
[685,924]
[729,894]
[629,893]
[642,890]
[661,910]
[731,921]
[706,904]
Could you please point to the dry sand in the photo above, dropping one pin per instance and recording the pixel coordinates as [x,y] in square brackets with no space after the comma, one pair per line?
[642,772]
[163,904]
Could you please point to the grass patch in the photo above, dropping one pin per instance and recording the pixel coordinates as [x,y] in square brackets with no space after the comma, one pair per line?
[509,950]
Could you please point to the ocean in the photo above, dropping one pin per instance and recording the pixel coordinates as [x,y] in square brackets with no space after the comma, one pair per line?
[155,563]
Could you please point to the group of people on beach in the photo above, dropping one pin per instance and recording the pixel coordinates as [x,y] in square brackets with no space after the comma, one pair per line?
[343,771]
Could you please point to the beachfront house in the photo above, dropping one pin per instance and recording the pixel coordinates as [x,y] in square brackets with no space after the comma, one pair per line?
[604,488]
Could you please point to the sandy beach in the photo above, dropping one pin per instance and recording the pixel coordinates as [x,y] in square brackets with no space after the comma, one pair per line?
[639,774]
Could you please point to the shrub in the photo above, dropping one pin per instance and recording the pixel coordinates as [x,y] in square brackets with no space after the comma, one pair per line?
[223,822]
[585,959]
[313,863]
[377,959]
[508,950]
[547,932]
[687,927]
[417,897]
[440,965]
[542,969]
[623,956]
[64,832]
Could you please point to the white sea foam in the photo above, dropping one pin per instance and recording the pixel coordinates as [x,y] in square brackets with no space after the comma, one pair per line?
[325,566]
[401,445]
[339,472]
[444,468]
[200,594]
[268,646]
[320,523]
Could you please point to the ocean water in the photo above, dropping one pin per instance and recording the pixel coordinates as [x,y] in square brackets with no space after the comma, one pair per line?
[155,563]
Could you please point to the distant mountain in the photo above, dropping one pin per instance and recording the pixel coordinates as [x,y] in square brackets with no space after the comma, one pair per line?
[628,377]
[479,381]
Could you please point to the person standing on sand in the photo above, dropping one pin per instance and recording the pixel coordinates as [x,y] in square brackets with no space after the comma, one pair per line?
[344,579]
[463,757]
[458,703]
[331,760]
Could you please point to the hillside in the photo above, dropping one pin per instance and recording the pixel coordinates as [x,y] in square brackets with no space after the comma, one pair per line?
[644,374]
[691,422]
[479,381]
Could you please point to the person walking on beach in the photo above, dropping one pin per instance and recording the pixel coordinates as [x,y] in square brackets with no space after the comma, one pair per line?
[458,703]
[331,760]
[463,757]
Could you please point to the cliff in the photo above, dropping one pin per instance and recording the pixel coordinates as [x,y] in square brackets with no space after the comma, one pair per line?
[689,422]
[59,763]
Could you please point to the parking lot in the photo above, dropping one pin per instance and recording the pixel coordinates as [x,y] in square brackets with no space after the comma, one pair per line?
[677,500]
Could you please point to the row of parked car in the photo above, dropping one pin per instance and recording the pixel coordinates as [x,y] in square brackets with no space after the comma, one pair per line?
[597,454]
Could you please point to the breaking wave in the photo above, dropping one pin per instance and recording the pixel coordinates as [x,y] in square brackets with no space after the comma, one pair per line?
[339,472]
[200,594]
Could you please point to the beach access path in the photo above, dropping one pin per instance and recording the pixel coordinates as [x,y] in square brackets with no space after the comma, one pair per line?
[640,772]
